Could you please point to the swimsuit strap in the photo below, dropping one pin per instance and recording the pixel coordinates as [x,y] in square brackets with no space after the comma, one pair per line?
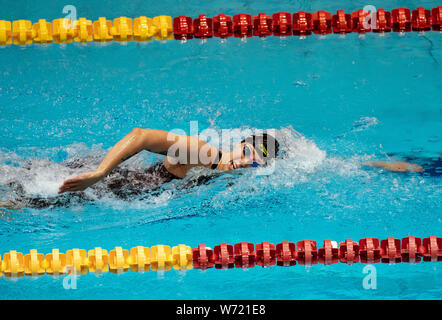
[216,161]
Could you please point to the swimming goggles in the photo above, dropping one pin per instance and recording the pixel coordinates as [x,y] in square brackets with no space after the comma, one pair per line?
[248,154]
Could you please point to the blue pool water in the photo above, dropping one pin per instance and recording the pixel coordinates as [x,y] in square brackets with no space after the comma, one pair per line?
[353,99]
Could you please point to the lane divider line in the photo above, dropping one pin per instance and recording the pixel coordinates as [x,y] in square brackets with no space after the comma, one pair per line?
[280,24]
[223,256]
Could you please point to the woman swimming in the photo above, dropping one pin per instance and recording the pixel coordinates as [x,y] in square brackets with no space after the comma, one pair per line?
[182,153]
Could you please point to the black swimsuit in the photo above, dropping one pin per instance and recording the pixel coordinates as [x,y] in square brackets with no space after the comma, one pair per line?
[216,161]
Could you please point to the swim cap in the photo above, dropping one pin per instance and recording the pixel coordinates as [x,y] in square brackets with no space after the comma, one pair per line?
[265,145]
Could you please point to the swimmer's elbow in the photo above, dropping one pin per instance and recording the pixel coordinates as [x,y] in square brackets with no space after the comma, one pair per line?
[145,132]
[137,131]
[142,134]
[154,140]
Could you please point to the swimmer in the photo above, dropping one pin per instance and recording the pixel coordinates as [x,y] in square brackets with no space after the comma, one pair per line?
[254,151]
[182,153]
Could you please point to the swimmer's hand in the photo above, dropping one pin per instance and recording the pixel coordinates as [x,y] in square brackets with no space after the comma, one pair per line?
[81,182]
[396,166]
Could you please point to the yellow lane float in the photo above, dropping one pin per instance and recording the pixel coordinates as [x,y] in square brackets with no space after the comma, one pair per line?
[139,259]
[55,262]
[12,264]
[118,260]
[34,263]
[160,258]
[62,30]
[143,29]
[76,261]
[102,29]
[42,31]
[182,257]
[122,29]
[98,260]
[83,30]
[163,25]
[22,32]
[5,32]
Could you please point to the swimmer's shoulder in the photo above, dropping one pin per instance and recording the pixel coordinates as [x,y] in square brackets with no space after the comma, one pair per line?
[180,170]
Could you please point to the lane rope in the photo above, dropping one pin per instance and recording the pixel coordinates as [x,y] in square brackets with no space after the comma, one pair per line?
[223,256]
[281,24]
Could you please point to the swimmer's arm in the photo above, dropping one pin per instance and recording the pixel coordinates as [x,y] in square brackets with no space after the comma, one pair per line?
[134,142]
[157,141]
[185,149]
[398,166]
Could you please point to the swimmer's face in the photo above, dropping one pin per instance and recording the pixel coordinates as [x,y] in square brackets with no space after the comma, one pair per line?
[243,155]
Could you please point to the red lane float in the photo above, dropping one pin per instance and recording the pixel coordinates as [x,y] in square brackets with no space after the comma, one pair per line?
[321,22]
[223,256]
[262,25]
[265,254]
[244,255]
[421,19]
[302,23]
[307,252]
[203,257]
[222,26]
[342,22]
[328,254]
[383,21]
[286,254]
[401,20]
[349,252]
[410,247]
[182,28]
[431,249]
[242,25]
[369,250]
[202,27]
[282,24]
[360,21]
[391,250]
[437,18]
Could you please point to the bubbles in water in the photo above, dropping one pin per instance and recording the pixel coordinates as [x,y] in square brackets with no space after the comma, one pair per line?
[364,123]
